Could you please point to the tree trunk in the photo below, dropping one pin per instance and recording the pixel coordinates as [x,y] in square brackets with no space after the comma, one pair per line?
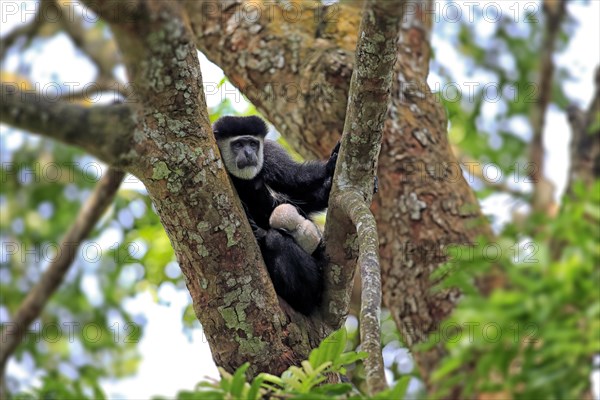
[162,135]
[424,204]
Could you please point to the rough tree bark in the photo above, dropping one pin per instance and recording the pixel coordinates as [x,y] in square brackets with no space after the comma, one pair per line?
[174,154]
[429,205]
[306,59]
[163,136]
[424,203]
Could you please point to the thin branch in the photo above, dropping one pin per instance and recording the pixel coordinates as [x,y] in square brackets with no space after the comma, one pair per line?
[477,172]
[554,12]
[357,209]
[13,332]
[102,85]
[352,189]
[101,50]
[365,115]
[103,131]
[28,30]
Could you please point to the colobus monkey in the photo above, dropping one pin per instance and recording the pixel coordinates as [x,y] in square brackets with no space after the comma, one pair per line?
[268,180]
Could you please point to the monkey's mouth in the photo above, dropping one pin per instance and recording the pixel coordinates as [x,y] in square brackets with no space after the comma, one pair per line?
[248,172]
[246,163]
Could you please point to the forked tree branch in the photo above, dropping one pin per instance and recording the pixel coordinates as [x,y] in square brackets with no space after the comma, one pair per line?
[352,189]
[14,331]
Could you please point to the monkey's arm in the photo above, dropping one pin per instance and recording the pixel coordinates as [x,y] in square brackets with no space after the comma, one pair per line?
[307,184]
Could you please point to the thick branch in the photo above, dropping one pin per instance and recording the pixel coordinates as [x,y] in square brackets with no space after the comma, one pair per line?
[103,131]
[425,203]
[357,162]
[14,331]
[353,181]
[178,162]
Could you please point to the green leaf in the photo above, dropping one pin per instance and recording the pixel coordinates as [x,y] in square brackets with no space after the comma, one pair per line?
[330,348]
[350,357]
[272,379]
[447,367]
[254,391]
[333,389]
[239,380]
[396,392]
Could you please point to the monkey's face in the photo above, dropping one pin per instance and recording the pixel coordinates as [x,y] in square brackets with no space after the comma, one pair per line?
[243,156]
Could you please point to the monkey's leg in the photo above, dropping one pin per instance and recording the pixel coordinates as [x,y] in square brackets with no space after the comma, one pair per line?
[296,275]
[304,231]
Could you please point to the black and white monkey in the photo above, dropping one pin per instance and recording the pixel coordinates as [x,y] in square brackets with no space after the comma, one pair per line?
[278,194]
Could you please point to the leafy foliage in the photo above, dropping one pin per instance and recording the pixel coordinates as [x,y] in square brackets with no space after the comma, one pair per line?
[534,337]
[307,381]
[43,187]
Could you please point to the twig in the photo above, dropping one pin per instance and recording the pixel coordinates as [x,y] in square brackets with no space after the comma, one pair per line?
[13,332]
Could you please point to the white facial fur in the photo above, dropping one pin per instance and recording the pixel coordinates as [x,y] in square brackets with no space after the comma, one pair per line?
[245,173]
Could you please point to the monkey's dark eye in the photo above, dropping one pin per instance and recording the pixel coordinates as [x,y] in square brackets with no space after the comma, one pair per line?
[236,146]
[254,145]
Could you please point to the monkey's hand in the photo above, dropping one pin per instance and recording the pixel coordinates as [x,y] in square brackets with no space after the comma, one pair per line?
[333,159]
[259,233]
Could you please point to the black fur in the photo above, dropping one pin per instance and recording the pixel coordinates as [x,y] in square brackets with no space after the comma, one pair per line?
[297,276]
[230,126]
